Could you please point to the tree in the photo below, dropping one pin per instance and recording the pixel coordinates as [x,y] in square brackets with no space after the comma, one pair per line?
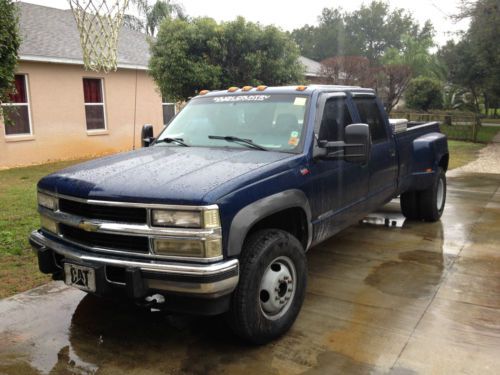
[424,93]
[368,31]
[391,82]
[414,53]
[150,16]
[474,62]
[347,70]
[9,46]
[326,39]
[465,68]
[188,56]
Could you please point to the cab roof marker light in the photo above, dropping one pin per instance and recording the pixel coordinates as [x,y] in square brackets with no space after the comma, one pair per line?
[301,88]
[247,88]
[233,89]
[203,92]
[261,87]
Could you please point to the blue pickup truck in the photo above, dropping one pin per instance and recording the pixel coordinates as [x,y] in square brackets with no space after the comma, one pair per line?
[216,213]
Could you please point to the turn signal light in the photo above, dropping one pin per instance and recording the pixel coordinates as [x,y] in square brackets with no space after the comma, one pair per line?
[233,89]
[246,88]
[261,87]
[301,88]
[203,92]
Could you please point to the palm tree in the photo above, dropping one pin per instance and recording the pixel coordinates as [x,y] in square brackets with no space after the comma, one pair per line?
[152,15]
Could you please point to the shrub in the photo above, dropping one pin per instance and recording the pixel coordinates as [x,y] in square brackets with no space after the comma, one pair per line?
[9,45]
[424,93]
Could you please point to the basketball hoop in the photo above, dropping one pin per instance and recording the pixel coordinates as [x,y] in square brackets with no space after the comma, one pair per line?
[99,23]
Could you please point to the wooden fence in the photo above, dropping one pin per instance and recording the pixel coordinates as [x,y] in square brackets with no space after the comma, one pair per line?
[459,127]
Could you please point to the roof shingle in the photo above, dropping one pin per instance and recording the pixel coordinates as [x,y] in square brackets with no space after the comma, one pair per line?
[50,34]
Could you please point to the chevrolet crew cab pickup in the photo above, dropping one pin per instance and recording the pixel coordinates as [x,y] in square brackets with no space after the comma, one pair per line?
[216,213]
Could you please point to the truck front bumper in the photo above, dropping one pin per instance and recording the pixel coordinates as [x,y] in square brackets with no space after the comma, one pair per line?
[138,278]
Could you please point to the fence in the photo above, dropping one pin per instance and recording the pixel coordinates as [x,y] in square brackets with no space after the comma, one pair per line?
[460,127]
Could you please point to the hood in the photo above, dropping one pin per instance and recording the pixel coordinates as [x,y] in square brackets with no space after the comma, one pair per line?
[161,174]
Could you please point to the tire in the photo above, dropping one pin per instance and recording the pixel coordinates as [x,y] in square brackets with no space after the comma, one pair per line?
[433,199]
[409,205]
[269,258]
[428,204]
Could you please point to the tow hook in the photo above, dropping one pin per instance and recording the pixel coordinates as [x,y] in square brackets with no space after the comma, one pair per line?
[154,300]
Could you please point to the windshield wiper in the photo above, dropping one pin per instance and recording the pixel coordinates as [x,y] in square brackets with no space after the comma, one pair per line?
[179,141]
[247,142]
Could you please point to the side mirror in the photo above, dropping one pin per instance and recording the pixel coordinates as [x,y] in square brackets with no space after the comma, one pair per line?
[355,147]
[147,135]
[358,143]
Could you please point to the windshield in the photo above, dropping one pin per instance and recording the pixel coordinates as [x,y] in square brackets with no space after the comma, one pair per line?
[274,122]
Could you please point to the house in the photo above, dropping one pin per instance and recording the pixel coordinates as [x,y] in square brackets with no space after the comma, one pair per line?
[312,70]
[62,111]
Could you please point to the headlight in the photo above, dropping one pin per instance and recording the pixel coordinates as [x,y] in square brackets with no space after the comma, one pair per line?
[185,219]
[48,224]
[188,248]
[47,201]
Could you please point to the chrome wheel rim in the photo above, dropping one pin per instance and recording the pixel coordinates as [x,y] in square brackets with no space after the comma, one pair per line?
[277,288]
[440,194]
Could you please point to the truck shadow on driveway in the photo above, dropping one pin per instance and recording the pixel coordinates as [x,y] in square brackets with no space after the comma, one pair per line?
[355,292]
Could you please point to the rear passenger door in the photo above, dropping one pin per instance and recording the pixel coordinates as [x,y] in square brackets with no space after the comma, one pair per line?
[383,163]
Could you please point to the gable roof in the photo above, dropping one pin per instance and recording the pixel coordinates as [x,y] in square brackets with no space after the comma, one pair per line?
[51,35]
[313,68]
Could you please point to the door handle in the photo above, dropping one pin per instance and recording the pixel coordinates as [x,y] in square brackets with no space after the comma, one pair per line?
[392,153]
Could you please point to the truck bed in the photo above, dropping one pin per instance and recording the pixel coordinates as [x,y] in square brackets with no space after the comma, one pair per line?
[404,142]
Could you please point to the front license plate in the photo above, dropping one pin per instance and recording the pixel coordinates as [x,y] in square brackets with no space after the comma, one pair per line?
[80,277]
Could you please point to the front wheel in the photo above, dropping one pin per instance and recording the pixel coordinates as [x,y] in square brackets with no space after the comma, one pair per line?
[272,286]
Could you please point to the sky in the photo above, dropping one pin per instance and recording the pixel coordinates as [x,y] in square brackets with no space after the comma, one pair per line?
[291,14]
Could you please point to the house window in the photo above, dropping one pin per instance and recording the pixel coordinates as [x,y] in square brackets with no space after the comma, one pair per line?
[168,112]
[94,104]
[16,112]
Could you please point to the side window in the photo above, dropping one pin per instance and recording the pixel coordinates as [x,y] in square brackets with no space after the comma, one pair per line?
[336,117]
[17,109]
[168,112]
[94,104]
[370,114]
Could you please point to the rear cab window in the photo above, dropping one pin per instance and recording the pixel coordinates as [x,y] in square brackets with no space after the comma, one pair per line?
[369,113]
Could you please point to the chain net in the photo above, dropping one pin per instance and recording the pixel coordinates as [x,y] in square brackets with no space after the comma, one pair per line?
[99,23]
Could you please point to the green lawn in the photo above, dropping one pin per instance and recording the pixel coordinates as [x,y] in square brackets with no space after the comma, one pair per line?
[18,216]
[462,153]
[464,132]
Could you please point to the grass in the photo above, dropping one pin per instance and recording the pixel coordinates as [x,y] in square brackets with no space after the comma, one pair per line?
[18,217]
[464,132]
[490,120]
[462,153]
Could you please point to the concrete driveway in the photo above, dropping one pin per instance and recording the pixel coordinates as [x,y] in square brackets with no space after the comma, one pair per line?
[424,298]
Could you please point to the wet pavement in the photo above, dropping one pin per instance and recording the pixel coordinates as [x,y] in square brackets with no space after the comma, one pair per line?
[421,298]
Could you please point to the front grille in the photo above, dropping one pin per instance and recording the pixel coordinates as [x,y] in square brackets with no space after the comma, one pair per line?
[109,241]
[111,213]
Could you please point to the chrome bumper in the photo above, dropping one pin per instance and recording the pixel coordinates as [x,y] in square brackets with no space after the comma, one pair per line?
[203,280]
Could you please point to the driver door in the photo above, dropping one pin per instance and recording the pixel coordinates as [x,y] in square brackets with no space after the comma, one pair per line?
[340,187]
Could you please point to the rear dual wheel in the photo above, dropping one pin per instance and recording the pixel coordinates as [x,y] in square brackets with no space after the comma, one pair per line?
[272,286]
[428,204]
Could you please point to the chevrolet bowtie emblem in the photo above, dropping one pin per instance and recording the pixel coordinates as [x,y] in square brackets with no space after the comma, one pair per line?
[88,226]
